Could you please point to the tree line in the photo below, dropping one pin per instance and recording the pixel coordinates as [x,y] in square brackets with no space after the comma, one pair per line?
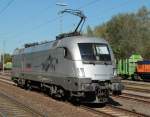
[127,33]
[7,58]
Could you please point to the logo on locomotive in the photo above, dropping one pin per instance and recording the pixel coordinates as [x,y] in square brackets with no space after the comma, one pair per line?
[49,63]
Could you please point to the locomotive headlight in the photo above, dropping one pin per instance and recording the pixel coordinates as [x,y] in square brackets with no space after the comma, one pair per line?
[80,72]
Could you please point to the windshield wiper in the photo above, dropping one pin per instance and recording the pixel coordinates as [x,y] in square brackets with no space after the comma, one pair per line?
[107,62]
[89,62]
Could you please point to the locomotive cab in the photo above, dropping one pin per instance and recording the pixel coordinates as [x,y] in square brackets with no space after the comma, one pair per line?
[96,59]
[94,67]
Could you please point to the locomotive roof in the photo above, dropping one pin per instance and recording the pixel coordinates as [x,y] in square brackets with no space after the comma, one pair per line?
[56,43]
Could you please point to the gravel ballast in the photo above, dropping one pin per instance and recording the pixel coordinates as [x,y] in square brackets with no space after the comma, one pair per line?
[45,104]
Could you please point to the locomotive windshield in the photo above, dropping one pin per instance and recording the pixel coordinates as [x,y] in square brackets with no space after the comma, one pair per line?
[94,52]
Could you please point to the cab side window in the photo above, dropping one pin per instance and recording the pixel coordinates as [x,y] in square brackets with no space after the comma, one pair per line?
[63,52]
[67,53]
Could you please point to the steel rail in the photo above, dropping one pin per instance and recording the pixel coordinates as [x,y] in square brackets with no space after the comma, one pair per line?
[20,105]
[113,111]
[137,89]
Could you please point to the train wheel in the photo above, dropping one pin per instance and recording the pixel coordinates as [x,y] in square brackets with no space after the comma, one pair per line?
[58,93]
[42,88]
[28,85]
[21,83]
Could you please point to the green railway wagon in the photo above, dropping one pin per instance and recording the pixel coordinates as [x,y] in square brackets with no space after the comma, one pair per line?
[127,67]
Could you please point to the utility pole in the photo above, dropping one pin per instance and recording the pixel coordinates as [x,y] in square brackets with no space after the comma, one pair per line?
[1,60]
[3,55]
[0,57]
[62,5]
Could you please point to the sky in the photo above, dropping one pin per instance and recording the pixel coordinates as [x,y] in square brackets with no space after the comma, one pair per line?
[28,21]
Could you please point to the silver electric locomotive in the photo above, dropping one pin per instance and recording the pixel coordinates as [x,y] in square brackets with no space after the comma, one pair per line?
[72,66]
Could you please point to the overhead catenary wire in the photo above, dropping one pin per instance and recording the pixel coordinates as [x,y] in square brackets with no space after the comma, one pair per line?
[39,12]
[6,6]
[32,17]
[110,9]
[52,20]
[37,27]
[57,18]
[81,7]
[113,7]
[88,4]
[1,11]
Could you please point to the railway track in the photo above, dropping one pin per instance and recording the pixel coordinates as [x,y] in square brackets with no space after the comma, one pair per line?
[113,111]
[137,86]
[109,110]
[6,73]
[10,107]
[138,89]
[118,111]
[134,97]
[135,83]
[6,79]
